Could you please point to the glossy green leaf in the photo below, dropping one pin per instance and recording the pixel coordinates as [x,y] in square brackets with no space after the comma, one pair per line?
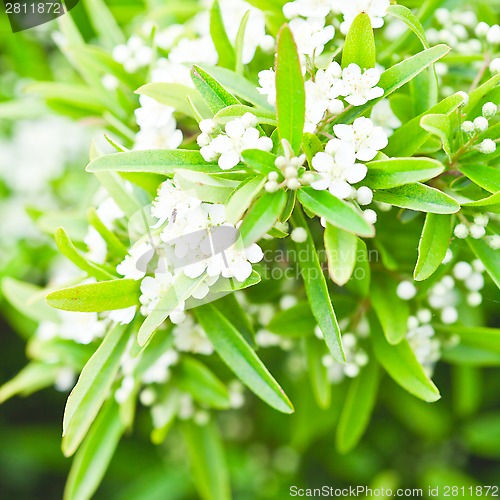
[359,46]
[95,454]
[400,363]
[297,321]
[488,256]
[392,311]
[336,212]
[434,242]
[410,19]
[479,93]
[262,216]
[290,93]
[238,203]
[225,51]
[318,373]
[260,161]
[115,185]
[92,389]
[317,289]
[358,408]
[241,359]
[113,243]
[159,161]
[237,110]
[440,126]
[489,201]
[419,197]
[104,23]
[394,172]
[206,452]
[484,176]
[340,249]
[311,145]
[96,297]
[478,336]
[240,43]
[234,312]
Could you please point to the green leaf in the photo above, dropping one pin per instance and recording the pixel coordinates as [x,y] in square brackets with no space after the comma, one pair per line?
[213,93]
[394,172]
[297,321]
[67,248]
[489,201]
[237,110]
[419,197]
[262,216]
[238,203]
[260,161]
[238,85]
[181,290]
[209,468]
[241,359]
[175,95]
[406,15]
[196,379]
[340,249]
[31,378]
[481,92]
[434,242]
[484,176]
[488,256]
[318,373]
[113,243]
[104,23]
[225,51]
[392,311]
[311,145]
[397,76]
[158,161]
[317,290]
[358,408]
[95,454]
[359,47]
[440,126]
[290,93]
[399,145]
[92,389]
[240,43]
[29,300]
[400,363]
[232,310]
[478,336]
[96,297]
[336,212]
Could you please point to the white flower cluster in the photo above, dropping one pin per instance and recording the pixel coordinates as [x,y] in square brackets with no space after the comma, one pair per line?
[477,229]
[183,245]
[226,147]
[422,339]
[134,54]
[480,125]
[324,92]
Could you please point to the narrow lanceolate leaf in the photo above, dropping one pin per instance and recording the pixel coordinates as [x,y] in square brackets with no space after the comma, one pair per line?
[398,75]
[394,172]
[392,311]
[482,337]
[262,216]
[260,161]
[358,408]
[488,256]
[232,310]
[359,47]
[208,462]
[225,50]
[419,197]
[158,161]
[290,93]
[175,95]
[318,374]
[92,389]
[213,93]
[336,212]
[31,378]
[489,201]
[104,23]
[196,379]
[96,297]
[478,94]
[484,176]
[399,145]
[317,290]
[411,20]
[242,198]
[67,248]
[400,363]
[241,359]
[297,321]
[181,290]
[237,110]
[95,454]
[240,43]
[439,126]
[340,249]
[434,242]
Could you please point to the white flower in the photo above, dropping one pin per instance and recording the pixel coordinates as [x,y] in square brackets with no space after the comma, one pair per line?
[159,371]
[462,270]
[493,35]
[461,231]
[299,235]
[364,136]
[376,9]
[198,50]
[487,147]
[477,232]
[80,327]
[406,290]
[135,263]
[370,216]
[190,337]
[481,220]
[311,35]
[338,169]
[495,66]
[360,87]
[489,110]
[97,248]
[122,316]
[240,134]
[133,55]
[480,124]
[153,288]
[468,127]
[267,82]
[383,116]
[364,195]
[307,8]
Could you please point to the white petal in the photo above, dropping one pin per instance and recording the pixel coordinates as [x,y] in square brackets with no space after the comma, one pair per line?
[228,160]
[340,189]
[344,132]
[254,253]
[320,184]
[356,100]
[356,173]
[322,162]
[366,154]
